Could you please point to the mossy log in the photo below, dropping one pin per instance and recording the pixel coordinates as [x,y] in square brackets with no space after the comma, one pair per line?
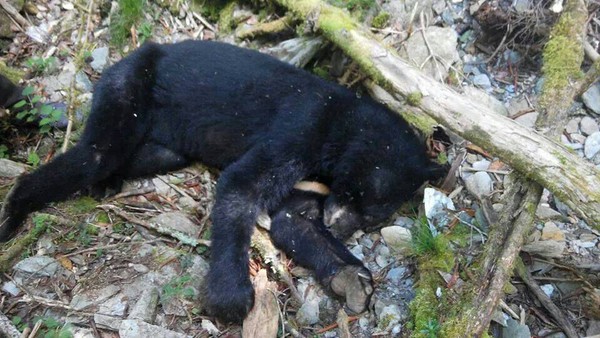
[537,157]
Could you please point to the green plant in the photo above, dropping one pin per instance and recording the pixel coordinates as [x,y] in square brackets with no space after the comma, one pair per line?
[425,242]
[3,151]
[381,20]
[145,31]
[19,323]
[431,329]
[353,5]
[31,111]
[130,12]
[33,159]
[177,288]
[51,328]
[40,65]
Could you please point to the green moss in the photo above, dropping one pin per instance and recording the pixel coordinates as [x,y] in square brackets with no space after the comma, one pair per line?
[562,56]
[82,205]
[321,72]
[14,75]
[414,99]
[129,14]
[381,20]
[226,22]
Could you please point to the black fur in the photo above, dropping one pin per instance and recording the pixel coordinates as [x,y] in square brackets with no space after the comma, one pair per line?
[9,92]
[297,228]
[266,124]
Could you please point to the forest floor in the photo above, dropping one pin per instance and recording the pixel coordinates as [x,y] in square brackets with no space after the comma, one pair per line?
[133,265]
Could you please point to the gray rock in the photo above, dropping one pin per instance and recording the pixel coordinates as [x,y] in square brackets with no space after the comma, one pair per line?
[108,322]
[397,238]
[146,306]
[515,330]
[357,251]
[443,42]
[592,145]
[588,126]
[93,297]
[177,221]
[39,266]
[548,289]
[82,82]
[308,313]
[593,328]
[551,248]
[479,184]
[572,126]
[591,98]
[297,51]
[544,212]
[405,222]
[11,169]
[481,165]
[390,316]
[114,306]
[521,6]
[11,288]
[133,328]
[396,274]
[100,56]
[527,120]
[482,81]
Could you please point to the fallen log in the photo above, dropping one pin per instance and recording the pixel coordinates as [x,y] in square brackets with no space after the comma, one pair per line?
[573,180]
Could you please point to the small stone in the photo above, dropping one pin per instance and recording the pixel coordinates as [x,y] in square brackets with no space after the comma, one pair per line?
[114,306]
[397,238]
[482,81]
[521,6]
[381,261]
[548,289]
[593,328]
[481,165]
[141,268]
[146,306]
[572,126]
[389,316]
[11,169]
[100,56]
[552,232]
[39,266]
[592,145]
[82,82]
[210,328]
[133,328]
[357,251]
[107,322]
[544,212]
[11,288]
[588,126]
[396,274]
[177,221]
[89,298]
[297,51]
[515,330]
[479,184]
[308,313]
[550,248]
[67,6]
[405,222]
[591,98]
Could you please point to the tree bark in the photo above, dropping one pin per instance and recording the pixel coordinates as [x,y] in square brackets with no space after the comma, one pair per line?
[573,180]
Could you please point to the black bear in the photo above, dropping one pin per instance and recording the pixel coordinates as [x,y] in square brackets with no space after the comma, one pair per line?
[297,228]
[264,123]
[9,92]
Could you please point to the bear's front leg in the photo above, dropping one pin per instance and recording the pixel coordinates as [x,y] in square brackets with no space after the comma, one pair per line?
[258,181]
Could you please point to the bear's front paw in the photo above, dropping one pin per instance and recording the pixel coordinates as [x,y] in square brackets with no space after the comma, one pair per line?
[229,299]
[355,284]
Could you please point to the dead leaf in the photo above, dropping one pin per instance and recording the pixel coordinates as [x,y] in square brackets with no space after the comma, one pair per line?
[263,319]
[65,262]
[343,327]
